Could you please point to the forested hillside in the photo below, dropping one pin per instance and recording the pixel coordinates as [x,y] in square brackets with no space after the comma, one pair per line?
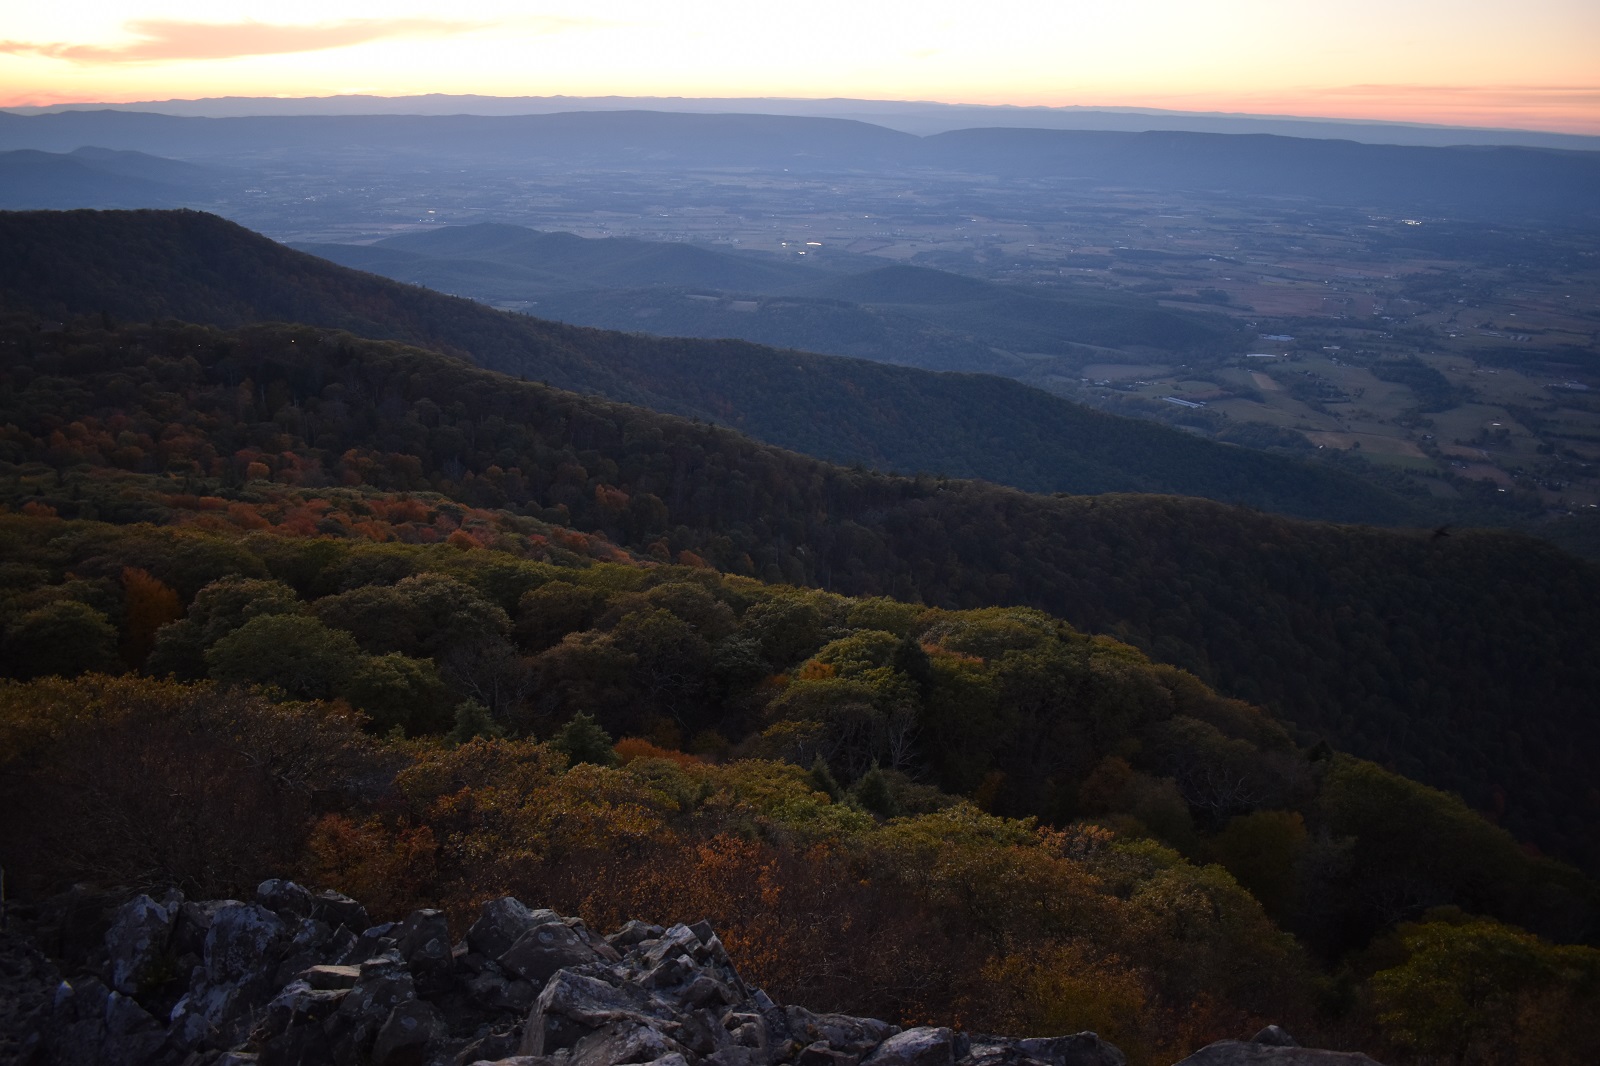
[839,784]
[147,265]
[1464,660]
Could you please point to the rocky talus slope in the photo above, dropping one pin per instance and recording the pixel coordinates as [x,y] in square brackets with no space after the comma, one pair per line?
[295,978]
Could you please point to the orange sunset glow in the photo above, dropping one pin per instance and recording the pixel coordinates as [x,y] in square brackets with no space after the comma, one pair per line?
[1534,66]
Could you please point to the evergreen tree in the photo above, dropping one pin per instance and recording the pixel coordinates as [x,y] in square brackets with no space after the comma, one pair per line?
[472,720]
[582,740]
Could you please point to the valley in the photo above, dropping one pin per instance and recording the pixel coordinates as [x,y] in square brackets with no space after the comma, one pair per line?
[1440,342]
[1514,342]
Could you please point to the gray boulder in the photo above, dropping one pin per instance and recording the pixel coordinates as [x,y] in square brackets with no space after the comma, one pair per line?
[922,1046]
[841,1032]
[1079,1049]
[137,941]
[820,1054]
[1272,1047]
[573,1005]
[132,1035]
[241,939]
[411,1029]
[299,1004]
[287,900]
[241,952]
[1274,1036]
[384,984]
[501,923]
[193,922]
[544,949]
[78,1020]
[623,1042]
[423,940]
[633,933]
[337,909]
[327,976]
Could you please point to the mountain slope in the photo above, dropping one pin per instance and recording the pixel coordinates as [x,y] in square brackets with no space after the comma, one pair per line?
[1466,661]
[144,265]
[95,177]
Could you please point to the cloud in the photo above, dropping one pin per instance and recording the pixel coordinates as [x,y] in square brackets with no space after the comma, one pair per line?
[159,40]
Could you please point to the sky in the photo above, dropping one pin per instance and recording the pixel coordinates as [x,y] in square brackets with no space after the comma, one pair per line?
[1533,64]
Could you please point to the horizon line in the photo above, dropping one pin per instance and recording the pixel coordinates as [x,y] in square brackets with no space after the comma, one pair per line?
[1131,109]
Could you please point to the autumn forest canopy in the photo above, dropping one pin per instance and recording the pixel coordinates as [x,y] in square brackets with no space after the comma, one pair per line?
[341,600]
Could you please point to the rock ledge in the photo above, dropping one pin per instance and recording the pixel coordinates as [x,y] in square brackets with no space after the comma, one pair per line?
[295,978]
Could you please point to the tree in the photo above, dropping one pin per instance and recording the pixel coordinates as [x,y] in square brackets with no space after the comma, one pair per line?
[226,604]
[873,793]
[396,690]
[586,671]
[582,740]
[671,661]
[548,613]
[710,618]
[295,652]
[472,719]
[218,609]
[788,628]
[378,616]
[135,781]
[1417,847]
[1473,988]
[1262,851]
[851,727]
[150,603]
[450,615]
[64,638]
[424,616]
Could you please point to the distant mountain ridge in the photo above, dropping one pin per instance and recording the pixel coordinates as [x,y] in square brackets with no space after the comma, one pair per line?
[920,117]
[1525,182]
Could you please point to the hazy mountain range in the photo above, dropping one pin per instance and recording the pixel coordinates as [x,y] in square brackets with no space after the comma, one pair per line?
[1526,182]
[908,116]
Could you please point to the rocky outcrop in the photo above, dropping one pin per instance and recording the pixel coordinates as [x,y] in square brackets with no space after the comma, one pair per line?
[1271,1047]
[295,978]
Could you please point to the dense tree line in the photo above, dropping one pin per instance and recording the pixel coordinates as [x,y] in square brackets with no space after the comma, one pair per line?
[1432,389]
[1464,660]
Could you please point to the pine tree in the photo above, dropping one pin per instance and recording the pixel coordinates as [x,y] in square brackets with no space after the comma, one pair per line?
[582,740]
[473,720]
